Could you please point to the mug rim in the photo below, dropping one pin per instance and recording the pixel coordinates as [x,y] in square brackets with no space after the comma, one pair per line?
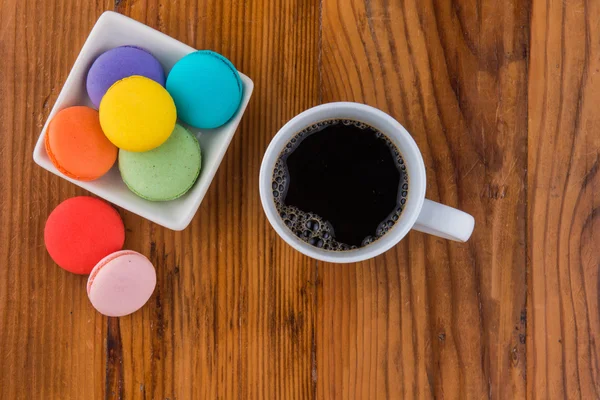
[395,132]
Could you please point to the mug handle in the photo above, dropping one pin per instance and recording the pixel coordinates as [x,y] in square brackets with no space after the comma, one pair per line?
[443,221]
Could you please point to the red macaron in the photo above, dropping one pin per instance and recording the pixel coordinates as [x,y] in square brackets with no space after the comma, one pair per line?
[81,231]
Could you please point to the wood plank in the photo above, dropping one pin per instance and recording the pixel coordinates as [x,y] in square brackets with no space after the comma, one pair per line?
[433,318]
[51,339]
[233,313]
[564,148]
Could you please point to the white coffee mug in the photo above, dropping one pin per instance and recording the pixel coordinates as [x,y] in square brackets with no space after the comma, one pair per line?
[419,213]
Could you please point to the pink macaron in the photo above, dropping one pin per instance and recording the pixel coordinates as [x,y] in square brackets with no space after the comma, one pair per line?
[121,283]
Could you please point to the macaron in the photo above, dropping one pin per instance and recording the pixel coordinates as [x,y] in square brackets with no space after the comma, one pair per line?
[121,283]
[77,146]
[81,231]
[206,88]
[166,172]
[118,63]
[137,114]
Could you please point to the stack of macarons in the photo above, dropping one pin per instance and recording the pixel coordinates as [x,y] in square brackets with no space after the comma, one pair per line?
[137,120]
[85,235]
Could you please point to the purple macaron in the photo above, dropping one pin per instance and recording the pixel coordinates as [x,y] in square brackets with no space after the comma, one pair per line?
[118,63]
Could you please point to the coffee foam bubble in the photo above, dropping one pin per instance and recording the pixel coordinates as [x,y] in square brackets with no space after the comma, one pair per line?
[310,227]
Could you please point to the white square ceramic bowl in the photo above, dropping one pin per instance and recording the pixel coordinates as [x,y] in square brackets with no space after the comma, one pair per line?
[113,30]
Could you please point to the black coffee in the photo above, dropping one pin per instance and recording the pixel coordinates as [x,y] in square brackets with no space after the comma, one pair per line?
[340,185]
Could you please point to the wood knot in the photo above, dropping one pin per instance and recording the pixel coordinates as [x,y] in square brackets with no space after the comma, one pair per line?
[514,355]
[494,191]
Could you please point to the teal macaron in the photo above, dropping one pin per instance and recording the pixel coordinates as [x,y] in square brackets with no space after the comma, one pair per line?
[166,172]
[206,88]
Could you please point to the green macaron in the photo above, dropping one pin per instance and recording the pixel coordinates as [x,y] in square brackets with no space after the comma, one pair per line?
[166,172]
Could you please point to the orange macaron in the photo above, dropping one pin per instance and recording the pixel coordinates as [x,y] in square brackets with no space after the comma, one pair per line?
[77,146]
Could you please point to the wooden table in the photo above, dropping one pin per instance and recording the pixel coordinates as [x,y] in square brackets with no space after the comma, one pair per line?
[502,98]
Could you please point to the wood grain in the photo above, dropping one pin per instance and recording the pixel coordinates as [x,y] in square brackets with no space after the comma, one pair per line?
[501,98]
[432,318]
[51,340]
[233,313]
[564,149]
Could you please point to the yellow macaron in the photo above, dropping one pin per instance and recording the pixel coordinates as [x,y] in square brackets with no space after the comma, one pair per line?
[137,114]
